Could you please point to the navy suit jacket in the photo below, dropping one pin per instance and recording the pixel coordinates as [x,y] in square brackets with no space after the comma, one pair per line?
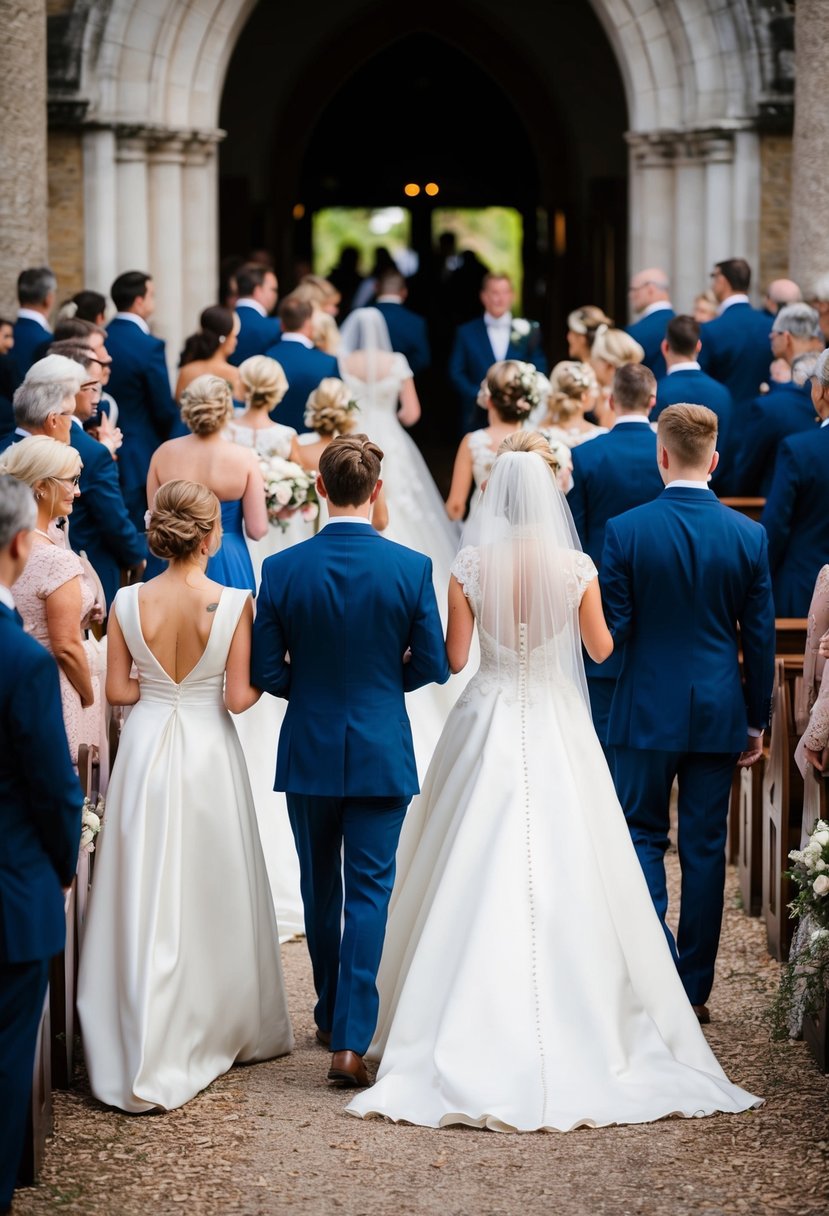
[736,351]
[304,369]
[692,387]
[679,575]
[797,521]
[408,334]
[345,606]
[611,474]
[147,413]
[471,358]
[786,409]
[40,799]
[28,336]
[100,525]
[649,332]
[256,334]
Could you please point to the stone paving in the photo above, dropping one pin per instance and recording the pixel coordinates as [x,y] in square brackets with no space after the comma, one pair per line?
[272,1138]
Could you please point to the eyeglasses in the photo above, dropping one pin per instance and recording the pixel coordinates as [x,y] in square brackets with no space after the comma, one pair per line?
[70,481]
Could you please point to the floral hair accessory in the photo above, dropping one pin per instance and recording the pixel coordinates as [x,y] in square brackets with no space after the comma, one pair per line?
[535,387]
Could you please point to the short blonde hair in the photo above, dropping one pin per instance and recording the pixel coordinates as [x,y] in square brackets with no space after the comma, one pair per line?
[207,404]
[689,432]
[184,513]
[41,459]
[569,381]
[616,347]
[330,409]
[264,382]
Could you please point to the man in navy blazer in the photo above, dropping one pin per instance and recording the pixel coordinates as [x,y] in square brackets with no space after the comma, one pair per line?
[140,383]
[681,576]
[651,301]
[786,409]
[407,331]
[487,340]
[40,827]
[611,474]
[36,289]
[685,382]
[303,364]
[795,515]
[735,345]
[258,289]
[358,617]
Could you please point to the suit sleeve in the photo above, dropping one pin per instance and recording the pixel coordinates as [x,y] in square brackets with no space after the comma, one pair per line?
[421,356]
[269,666]
[458,374]
[105,504]
[52,791]
[751,454]
[428,662]
[757,634]
[779,508]
[160,403]
[616,586]
[536,354]
[577,499]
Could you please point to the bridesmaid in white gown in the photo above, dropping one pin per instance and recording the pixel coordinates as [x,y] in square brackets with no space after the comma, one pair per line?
[526,982]
[180,974]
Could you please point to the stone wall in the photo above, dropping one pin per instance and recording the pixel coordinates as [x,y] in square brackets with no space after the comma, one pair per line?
[66,213]
[775,208]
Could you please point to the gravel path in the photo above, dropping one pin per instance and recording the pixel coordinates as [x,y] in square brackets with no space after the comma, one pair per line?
[272,1138]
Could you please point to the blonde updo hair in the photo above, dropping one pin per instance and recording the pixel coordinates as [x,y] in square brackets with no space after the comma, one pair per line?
[326,334]
[184,514]
[207,405]
[530,441]
[264,382]
[506,392]
[586,320]
[40,460]
[569,380]
[330,409]
[616,347]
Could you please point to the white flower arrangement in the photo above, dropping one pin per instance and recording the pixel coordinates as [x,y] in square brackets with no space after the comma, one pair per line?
[521,330]
[288,488]
[535,387]
[804,984]
[91,817]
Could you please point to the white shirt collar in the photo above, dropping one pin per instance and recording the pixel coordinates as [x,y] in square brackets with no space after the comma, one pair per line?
[505,320]
[249,302]
[29,314]
[739,297]
[657,306]
[75,420]
[134,317]
[632,418]
[301,338]
[6,597]
[824,423]
[347,519]
[390,299]
[683,484]
[690,365]
[22,432]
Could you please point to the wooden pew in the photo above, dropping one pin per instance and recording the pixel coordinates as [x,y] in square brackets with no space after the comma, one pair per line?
[62,999]
[750,836]
[39,1123]
[782,803]
[751,507]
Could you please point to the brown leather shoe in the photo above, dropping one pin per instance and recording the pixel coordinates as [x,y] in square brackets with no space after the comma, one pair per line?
[348,1069]
[703,1015]
[324,1037]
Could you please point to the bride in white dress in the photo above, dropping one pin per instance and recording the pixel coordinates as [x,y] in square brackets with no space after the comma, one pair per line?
[180,973]
[526,982]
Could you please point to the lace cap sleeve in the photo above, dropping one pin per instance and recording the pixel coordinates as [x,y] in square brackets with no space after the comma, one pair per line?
[465,568]
[401,367]
[584,571]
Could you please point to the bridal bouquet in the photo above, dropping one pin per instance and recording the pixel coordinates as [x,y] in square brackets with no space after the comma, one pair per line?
[805,981]
[288,488]
[91,817]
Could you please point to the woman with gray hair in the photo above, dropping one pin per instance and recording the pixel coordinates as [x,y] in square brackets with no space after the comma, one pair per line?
[45,402]
[52,594]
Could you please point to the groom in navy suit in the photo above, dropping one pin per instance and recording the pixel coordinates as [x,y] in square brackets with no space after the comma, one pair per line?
[487,340]
[682,575]
[346,623]
[40,825]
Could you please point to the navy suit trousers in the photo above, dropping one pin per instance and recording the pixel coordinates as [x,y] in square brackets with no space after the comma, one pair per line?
[643,782]
[350,840]
[22,993]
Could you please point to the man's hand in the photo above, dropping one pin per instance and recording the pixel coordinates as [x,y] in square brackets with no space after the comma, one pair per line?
[752,753]
[407,655]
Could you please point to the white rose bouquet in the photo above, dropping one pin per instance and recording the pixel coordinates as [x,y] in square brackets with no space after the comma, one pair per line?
[288,488]
[91,817]
[805,981]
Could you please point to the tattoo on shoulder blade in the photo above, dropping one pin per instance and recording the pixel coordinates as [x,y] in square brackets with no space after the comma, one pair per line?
[212,607]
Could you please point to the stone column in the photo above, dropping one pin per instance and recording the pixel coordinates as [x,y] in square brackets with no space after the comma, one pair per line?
[689,276]
[166,260]
[747,198]
[719,202]
[23,180]
[199,269]
[652,198]
[100,208]
[132,231]
[809,240]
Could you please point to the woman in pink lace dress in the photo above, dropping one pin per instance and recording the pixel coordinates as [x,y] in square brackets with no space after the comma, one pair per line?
[52,594]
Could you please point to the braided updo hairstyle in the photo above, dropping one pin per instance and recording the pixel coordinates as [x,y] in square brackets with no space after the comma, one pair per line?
[264,382]
[330,410]
[184,514]
[207,405]
[506,392]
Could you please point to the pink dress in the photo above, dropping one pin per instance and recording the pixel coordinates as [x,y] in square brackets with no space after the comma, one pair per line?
[47,569]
